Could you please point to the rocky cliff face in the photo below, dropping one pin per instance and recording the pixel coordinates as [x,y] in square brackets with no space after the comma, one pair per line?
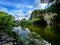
[5,39]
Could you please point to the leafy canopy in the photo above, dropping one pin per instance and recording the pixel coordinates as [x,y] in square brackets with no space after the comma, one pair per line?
[6,20]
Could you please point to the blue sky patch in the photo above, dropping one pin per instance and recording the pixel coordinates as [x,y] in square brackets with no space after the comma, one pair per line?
[20,8]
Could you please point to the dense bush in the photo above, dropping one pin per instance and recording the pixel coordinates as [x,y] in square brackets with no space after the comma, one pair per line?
[56,19]
[41,22]
[26,22]
[6,21]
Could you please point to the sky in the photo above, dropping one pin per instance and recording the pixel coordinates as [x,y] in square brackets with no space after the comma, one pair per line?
[21,8]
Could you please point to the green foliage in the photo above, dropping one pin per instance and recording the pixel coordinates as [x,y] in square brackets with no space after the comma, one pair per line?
[48,33]
[37,17]
[9,32]
[26,22]
[6,21]
[34,19]
[36,36]
[37,13]
[54,8]
[40,22]
[12,34]
[56,19]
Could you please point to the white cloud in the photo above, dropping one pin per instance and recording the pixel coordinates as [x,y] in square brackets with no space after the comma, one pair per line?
[51,3]
[19,10]
[43,5]
[39,5]
[5,10]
